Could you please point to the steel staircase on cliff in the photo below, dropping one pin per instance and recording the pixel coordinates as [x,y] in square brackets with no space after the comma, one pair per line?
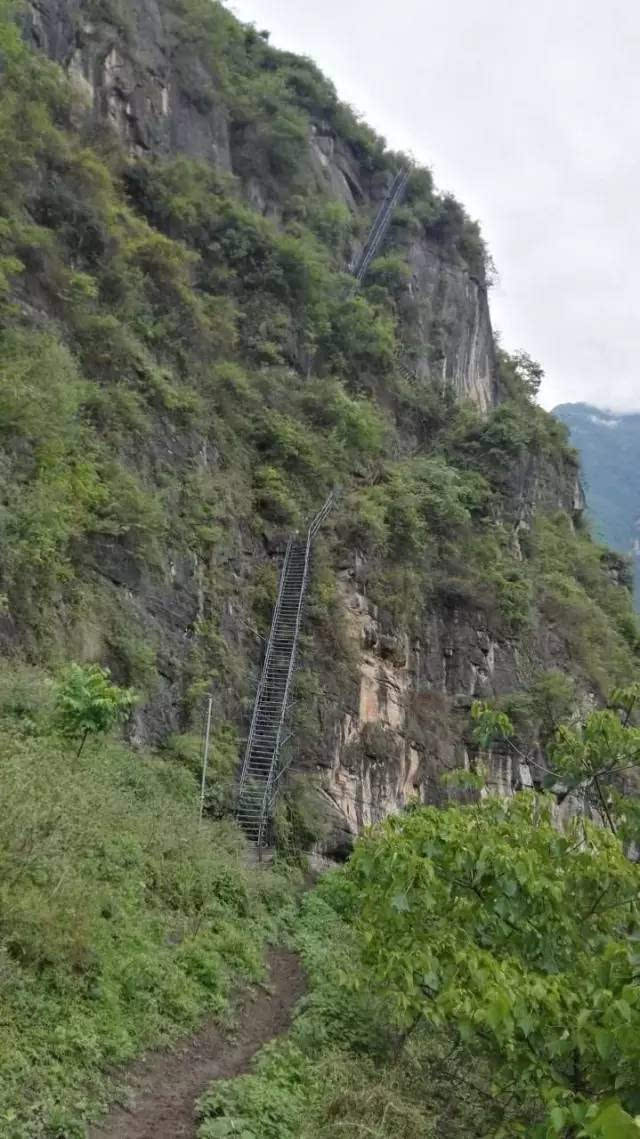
[378,232]
[261,767]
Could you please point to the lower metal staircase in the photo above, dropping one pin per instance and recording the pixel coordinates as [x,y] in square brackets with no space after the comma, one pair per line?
[261,768]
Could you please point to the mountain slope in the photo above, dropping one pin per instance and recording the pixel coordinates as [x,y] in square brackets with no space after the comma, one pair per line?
[609,446]
[186,369]
[189,369]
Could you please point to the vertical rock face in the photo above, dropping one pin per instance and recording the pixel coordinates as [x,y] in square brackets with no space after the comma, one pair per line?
[408,723]
[134,76]
[451,326]
[406,727]
[391,738]
[139,78]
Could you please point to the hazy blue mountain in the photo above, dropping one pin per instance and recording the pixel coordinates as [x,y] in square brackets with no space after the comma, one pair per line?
[609,446]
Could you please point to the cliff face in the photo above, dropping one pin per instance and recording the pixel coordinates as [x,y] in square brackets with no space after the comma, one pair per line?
[139,73]
[185,245]
[129,68]
[451,331]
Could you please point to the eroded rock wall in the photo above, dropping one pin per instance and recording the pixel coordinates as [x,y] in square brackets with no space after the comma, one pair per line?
[451,326]
[408,724]
[136,76]
[391,739]
[159,96]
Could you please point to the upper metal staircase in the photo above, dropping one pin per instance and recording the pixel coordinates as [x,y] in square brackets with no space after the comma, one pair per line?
[378,232]
[261,768]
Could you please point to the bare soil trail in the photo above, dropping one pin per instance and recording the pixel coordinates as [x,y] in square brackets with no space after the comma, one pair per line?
[162,1089]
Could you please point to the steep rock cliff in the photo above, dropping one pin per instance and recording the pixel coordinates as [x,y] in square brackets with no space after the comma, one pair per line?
[143,72]
[184,245]
[137,74]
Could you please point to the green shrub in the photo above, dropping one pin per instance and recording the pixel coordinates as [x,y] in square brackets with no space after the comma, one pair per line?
[87,703]
[390,272]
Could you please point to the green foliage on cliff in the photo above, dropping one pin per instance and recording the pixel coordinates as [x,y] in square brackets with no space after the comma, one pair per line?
[180,368]
[592,756]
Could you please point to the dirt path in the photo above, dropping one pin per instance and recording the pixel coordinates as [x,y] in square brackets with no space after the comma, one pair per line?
[163,1088]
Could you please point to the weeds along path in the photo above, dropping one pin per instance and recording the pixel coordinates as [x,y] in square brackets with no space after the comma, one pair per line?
[162,1089]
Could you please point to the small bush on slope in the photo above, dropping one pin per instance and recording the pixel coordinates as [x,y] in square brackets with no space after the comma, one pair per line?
[122,922]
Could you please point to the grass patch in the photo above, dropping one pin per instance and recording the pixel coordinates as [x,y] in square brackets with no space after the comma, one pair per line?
[122,922]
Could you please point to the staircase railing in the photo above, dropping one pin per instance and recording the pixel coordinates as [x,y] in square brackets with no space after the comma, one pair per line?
[265,670]
[259,776]
[258,784]
[378,231]
[267,805]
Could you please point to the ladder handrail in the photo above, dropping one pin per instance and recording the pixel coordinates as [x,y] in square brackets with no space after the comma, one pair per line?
[319,518]
[378,236]
[381,214]
[267,800]
[260,769]
[379,228]
[265,669]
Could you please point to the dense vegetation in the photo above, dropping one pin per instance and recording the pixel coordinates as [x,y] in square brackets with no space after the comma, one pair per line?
[474,969]
[473,973]
[183,377]
[122,920]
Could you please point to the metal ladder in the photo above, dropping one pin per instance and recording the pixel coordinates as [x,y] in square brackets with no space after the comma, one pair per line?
[360,264]
[378,232]
[260,773]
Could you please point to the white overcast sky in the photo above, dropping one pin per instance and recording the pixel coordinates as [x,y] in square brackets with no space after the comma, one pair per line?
[529,112]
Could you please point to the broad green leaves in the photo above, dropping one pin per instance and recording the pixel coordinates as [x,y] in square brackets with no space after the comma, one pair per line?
[490,724]
[518,937]
[87,702]
[598,759]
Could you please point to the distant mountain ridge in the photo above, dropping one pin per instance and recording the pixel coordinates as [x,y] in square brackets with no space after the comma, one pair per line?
[609,446]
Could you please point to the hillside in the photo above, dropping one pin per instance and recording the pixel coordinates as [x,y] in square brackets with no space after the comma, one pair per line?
[184,203]
[187,369]
[608,446]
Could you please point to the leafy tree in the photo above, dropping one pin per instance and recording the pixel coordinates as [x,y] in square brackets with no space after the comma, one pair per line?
[602,756]
[597,758]
[521,940]
[519,374]
[87,703]
[490,724]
